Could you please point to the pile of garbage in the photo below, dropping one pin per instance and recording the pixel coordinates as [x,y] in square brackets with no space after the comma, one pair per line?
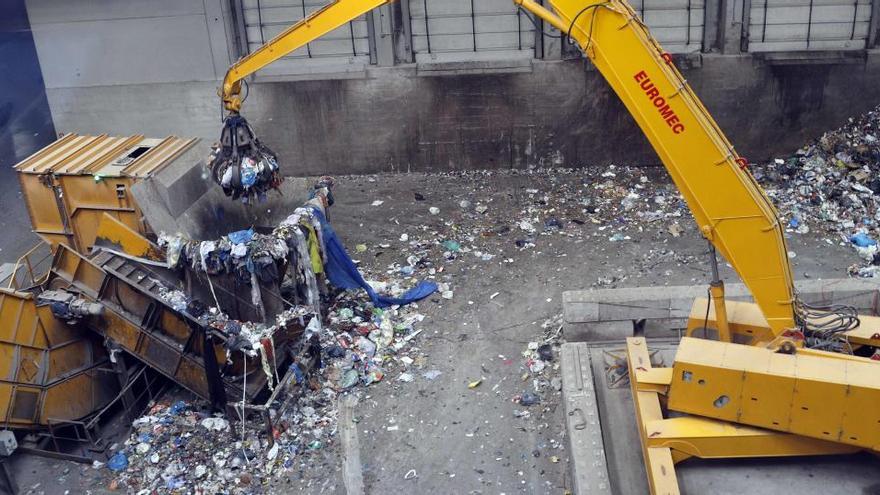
[244,167]
[363,343]
[832,186]
[182,447]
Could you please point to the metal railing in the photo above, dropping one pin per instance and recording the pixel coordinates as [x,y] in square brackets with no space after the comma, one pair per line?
[30,269]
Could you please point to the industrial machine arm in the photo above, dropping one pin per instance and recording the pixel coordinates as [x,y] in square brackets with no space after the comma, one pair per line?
[306,30]
[730,208]
[243,166]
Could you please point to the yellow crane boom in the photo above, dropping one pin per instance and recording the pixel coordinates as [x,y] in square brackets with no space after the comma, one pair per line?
[730,208]
[312,27]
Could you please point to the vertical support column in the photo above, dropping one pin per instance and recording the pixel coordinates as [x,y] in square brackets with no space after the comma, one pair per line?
[731,26]
[238,42]
[117,359]
[219,36]
[539,33]
[874,27]
[212,371]
[711,18]
[381,36]
[401,12]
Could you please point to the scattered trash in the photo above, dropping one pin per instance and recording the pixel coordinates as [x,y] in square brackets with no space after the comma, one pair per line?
[831,186]
[475,383]
[118,462]
[451,246]
[527,399]
[216,424]
[434,210]
[432,374]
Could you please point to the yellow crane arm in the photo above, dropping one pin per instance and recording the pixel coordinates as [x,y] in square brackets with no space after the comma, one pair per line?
[730,208]
[314,26]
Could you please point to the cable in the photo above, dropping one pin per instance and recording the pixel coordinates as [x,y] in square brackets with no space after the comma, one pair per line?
[823,324]
[535,24]
[706,318]
[592,22]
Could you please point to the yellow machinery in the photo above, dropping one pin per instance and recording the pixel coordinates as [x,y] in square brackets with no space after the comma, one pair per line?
[797,400]
[49,372]
[56,368]
[760,387]
[71,183]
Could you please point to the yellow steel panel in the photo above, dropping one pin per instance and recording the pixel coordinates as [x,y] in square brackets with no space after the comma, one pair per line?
[5,399]
[25,404]
[767,397]
[861,418]
[42,205]
[813,389]
[54,332]
[159,156]
[39,156]
[126,239]
[817,408]
[744,318]
[119,330]
[712,439]
[659,462]
[67,358]
[30,366]
[192,376]
[7,355]
[175,327]
[867,333]
[78,396]
[11,307]
[103,147]
[48,158]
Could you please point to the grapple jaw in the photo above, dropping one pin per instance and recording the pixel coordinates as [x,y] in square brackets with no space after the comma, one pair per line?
[244,167]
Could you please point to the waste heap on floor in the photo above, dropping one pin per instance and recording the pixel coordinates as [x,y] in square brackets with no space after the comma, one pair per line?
[832,186]
[184,446]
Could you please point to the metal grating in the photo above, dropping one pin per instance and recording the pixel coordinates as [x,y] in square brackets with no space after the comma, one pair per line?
[265,19]
[468,27]
[676,24]
[787,25]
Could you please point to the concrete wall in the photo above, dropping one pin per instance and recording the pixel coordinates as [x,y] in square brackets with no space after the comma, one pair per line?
[125,66]
[83,43]
[558,113]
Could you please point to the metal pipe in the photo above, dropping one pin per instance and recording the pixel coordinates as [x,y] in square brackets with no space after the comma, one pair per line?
[543,13]
[716,290]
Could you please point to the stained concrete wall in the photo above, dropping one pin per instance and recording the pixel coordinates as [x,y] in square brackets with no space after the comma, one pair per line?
[128,66]
[85,43]
[555,113]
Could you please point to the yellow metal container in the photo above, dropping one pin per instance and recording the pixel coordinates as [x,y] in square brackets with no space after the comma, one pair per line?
[69,184]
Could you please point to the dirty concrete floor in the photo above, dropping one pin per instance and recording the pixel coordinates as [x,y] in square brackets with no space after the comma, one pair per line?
[444,436]
[468,441]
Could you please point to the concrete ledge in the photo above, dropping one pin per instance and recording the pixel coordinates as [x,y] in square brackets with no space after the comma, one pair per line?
[589,468]
[607,314]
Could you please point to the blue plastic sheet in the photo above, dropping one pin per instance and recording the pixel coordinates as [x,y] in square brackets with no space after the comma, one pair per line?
[241,236]
[343,273]
[862,240]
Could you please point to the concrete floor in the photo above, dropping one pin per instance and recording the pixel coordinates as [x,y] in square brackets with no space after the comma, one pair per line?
[460,440]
